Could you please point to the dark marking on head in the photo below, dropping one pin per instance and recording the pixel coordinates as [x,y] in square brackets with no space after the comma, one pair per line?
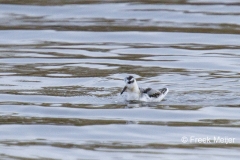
[129,82]
[130,79]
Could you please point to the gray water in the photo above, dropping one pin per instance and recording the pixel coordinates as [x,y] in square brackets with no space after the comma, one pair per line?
[62,66]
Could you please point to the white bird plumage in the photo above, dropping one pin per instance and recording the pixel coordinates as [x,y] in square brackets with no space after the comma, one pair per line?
[140,94]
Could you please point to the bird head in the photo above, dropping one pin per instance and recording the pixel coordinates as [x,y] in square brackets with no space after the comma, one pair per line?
[130,83]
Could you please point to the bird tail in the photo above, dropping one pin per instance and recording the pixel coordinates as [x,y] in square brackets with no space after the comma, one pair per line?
[164,91]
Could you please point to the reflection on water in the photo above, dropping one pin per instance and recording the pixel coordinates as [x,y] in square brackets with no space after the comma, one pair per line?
[62,66]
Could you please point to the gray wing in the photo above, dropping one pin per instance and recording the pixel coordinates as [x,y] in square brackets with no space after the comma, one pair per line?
[153,92]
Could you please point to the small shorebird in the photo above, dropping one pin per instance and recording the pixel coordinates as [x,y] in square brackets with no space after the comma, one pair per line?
[140,94]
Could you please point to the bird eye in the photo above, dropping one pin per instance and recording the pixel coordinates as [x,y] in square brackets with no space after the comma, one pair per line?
[129,82]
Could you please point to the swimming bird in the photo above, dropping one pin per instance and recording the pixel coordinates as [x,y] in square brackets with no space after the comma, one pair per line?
[140,94]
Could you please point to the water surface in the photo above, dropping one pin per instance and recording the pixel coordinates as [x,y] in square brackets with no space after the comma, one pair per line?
[62,66]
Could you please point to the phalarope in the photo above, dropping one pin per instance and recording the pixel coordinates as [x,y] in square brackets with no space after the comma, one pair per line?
[140,94]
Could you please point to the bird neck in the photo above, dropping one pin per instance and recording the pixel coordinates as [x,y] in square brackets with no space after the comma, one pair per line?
[134,88]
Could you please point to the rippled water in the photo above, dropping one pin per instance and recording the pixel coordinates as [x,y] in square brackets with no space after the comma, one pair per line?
[62,66]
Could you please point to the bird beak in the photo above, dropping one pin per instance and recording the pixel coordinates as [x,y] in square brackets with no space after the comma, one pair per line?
[124,89]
